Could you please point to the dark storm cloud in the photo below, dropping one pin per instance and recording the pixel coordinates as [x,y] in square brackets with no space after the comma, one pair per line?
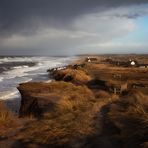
[25,16]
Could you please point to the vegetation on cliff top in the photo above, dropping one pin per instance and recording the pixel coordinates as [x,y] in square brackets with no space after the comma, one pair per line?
[72,118]
[7,120]
[72,75]
[74,115]
[129,116]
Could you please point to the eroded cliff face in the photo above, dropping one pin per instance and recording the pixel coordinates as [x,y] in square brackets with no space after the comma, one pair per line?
[38,98]
[66,111]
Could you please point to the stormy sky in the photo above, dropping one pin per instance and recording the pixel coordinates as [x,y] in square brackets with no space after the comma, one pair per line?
[70,27]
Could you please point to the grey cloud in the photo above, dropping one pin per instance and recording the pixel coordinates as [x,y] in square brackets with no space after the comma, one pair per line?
[130,16]
[26,16]
[91,31]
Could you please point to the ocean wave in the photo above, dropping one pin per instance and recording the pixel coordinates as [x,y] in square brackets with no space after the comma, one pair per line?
[15,59]
[24,73]
[13,92]
[1,79]
[5,95]
[19,71]
[19,67]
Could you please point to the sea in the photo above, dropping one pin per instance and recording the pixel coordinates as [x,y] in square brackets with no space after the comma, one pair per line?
[17,69]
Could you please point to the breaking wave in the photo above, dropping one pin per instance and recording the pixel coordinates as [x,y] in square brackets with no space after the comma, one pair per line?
[17,71]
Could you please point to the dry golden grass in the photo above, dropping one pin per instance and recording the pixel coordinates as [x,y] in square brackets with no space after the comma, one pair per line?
[53,87]
[130,117]
[76,108]
[106,72]
[7,120]
[5,115]
[72,118]
[72,75]
[102,94]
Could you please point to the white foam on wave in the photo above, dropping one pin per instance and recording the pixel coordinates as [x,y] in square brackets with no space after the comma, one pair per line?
[21,74]
[25,66]
[5,95]
[1,79]
[18,67]
[15,59]
[25,70]
[19,71]
[13,93]
[40,64]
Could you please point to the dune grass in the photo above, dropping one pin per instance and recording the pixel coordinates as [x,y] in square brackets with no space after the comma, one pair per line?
[5,115]
[78,111]
[72,118]
[130,117]
[7,120]
[72,75]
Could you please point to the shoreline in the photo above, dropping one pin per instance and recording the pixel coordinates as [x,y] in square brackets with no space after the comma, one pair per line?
[87,104]
[14,103]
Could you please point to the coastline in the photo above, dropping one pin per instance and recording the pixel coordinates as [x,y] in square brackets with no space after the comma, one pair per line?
[82,106]
[18,69]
